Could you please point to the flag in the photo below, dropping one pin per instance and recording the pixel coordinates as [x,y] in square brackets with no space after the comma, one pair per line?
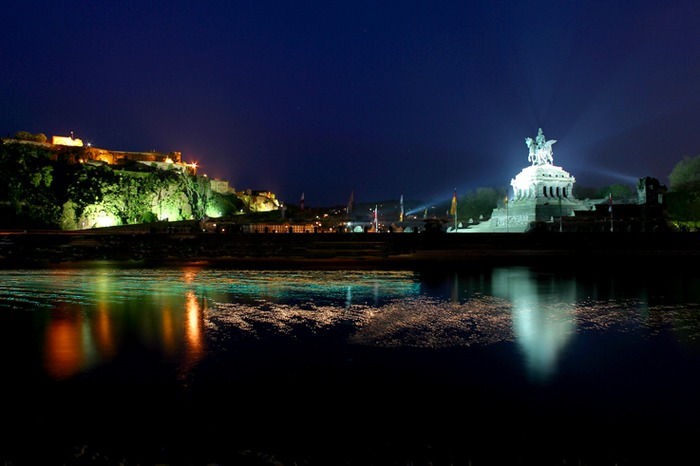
[401,214]
[351,202]
[453,209]
[301,202]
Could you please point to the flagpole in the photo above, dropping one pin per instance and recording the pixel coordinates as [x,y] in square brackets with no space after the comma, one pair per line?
[453,208]
[507,219]
[560,214]
[611,213]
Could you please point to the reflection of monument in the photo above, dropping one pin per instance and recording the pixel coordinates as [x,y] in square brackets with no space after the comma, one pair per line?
[542,322]
[541,192]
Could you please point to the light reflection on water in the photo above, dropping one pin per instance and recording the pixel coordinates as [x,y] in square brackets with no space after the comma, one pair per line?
[543,319]
[235,359]
[85,317]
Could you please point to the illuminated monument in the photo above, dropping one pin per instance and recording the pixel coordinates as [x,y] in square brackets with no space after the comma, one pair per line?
[542,192]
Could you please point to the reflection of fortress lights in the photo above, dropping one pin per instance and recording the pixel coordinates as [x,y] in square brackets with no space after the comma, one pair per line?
[63,351]
[78,338]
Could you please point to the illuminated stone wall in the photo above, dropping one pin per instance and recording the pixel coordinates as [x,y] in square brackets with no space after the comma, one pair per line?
[219,186]
[259,201]
[66,141]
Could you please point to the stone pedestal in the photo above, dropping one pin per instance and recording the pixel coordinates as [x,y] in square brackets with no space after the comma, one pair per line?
[541,192]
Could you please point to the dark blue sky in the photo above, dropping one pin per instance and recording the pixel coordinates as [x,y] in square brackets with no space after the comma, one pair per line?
[376,97]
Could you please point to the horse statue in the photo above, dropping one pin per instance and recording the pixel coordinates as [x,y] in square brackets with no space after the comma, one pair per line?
[540,150]
[532,156]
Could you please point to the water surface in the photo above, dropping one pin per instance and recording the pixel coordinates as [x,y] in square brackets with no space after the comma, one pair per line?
[364,367]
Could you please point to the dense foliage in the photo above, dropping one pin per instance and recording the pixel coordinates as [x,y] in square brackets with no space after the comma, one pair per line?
[43,187]
[27,197]
[27,136]
[685,176]
[617,191]
[683,200]
[479,204]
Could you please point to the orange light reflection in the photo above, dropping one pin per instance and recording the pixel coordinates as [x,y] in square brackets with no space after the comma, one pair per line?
[64,354]
[194,335]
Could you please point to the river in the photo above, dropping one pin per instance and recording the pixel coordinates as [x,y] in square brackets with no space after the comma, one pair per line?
[480,365]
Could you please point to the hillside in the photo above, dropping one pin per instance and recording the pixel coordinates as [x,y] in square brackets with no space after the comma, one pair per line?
[61,187]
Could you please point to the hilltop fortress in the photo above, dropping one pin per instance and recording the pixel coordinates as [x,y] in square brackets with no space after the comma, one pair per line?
[255,200]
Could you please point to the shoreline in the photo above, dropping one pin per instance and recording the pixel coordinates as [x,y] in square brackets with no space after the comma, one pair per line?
[347,250]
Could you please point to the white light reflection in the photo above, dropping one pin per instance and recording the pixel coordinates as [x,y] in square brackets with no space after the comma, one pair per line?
[411,321]
[543,321]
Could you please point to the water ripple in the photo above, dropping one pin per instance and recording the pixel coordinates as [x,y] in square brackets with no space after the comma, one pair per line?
[426,322]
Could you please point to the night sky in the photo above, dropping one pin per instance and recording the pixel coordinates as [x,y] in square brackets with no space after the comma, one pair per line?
[373,97]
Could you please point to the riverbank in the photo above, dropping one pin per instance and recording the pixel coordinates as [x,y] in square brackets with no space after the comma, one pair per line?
[339,250]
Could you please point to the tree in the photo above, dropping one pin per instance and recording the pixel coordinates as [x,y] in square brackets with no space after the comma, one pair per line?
[68,220]
[585,192]
[618,191]
[685,176]
[683,200]
[480,203]
[27,136]
[86,186]
[24,136]
[26,184]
